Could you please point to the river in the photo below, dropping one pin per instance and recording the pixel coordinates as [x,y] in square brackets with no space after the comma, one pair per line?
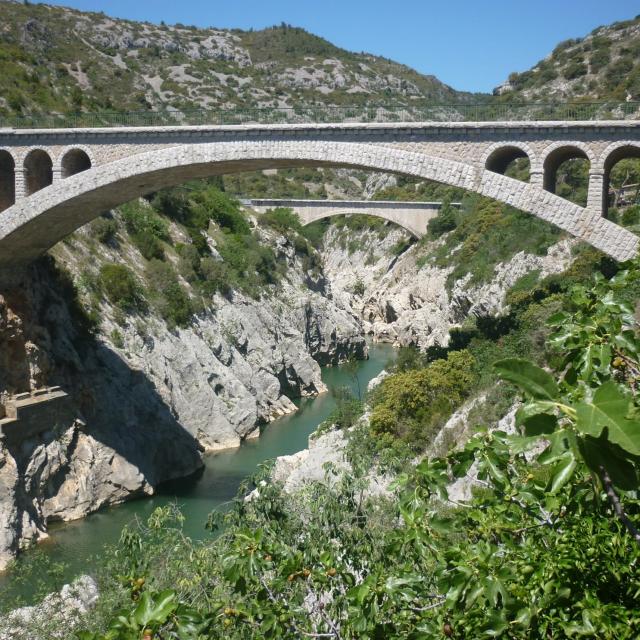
[74,545]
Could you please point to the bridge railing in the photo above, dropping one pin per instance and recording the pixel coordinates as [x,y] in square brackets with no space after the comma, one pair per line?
[481,112]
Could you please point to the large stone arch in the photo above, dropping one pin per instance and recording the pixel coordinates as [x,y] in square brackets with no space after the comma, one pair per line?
[35,224]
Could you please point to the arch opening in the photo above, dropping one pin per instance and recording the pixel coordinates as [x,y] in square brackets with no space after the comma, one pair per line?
[621,184]
[566,174]
[38,171]
[7,180]
[75,161]
[359,220]
[510,161]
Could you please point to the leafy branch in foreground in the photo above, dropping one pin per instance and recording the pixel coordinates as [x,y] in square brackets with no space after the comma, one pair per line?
[535,553]
[588,416]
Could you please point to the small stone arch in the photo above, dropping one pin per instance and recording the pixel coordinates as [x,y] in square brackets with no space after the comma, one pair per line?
[38,168]
[558,153]
[74,160]
[7,179]
[501,154]
[609,158]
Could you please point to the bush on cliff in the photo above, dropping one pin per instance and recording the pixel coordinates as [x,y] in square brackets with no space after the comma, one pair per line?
[412,405]
[121,286]
[168,295]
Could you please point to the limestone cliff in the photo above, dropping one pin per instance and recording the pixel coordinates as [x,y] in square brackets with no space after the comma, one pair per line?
[404,299]
[145,399]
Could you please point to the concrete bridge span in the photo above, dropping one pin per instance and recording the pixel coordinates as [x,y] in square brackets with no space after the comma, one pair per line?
[412,216]
[53,181]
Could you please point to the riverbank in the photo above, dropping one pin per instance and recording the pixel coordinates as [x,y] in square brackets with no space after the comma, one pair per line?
[72,548]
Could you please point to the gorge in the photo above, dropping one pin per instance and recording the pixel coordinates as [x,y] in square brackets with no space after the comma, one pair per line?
[450,401]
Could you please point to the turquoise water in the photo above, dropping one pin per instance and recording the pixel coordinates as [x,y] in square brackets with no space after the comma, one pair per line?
[75,544]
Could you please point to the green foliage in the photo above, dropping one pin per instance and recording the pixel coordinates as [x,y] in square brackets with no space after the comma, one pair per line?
[409,358]
[314,232]
[216,276]
[544,548]
[281,219]
[247,264]
[104,229]
[167,294]
[445,221]
[589,415]
[251,265]
[346,414]
[146,228]
[215,205]
[121,286]
[117,339]
[631,216]
[488,233]
[575,70]
[414,404]
[401,246]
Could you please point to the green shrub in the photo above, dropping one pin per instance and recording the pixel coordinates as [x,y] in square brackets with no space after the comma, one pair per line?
[401,246]
[146,228]
[599,59]
[169,297]
[314,232]
[140,218]
[216,276]
[413,404]
[445,221]
[282,219]
[104,229]
[149,246]
[117,339]
[121,286]
[189,262]
[575,69]
[213,204]
[631,215]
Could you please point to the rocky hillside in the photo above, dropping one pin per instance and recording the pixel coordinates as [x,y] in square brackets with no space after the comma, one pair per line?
[164,352]
[55,59]
[605,65]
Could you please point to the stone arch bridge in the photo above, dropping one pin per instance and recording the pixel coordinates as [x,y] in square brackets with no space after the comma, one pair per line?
[52,181]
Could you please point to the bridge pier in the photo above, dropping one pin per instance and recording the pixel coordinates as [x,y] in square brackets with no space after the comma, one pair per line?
[595,194]
[21,183]
[536,178]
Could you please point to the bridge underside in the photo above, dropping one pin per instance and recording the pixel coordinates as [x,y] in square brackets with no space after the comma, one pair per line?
[35,224]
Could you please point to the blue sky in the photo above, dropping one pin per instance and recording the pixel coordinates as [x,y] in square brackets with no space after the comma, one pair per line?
[472,45]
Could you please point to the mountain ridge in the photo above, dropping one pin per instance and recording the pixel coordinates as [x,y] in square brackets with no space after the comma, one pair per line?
[57,59]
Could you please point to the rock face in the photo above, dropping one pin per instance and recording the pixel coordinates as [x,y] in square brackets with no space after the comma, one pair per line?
[146,400]
[306,466]
[403,302]
[58,612]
